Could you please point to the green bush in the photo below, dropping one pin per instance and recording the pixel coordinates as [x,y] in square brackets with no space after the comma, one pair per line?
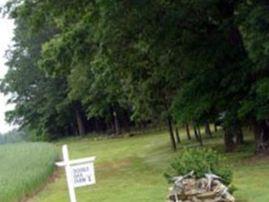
[200,161]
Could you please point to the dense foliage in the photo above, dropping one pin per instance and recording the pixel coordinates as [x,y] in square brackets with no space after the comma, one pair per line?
[201,162]
[102,65]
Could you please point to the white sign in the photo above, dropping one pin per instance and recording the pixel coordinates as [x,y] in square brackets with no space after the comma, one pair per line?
[83,175]
[79,172]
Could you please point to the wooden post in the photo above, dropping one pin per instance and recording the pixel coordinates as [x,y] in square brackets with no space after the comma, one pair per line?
[70,185]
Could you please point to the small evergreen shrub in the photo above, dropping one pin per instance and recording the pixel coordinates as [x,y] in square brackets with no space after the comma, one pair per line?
[201,161]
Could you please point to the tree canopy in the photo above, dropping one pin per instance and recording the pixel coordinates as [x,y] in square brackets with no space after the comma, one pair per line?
[112,64]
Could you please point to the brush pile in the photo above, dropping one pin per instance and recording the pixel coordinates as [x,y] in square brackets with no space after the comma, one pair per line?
[207,189]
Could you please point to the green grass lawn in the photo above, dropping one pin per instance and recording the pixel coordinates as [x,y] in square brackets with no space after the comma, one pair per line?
[131,170]
[24,167]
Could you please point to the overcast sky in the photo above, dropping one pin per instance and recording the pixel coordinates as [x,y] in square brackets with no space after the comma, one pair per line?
[6,34]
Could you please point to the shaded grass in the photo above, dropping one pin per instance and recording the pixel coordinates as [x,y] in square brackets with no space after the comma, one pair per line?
[131,170]
[23,168]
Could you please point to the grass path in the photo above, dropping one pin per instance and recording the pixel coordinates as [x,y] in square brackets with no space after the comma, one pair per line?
[131,170]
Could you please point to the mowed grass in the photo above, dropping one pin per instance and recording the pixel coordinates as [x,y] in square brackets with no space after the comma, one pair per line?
[24,167]
[131,170]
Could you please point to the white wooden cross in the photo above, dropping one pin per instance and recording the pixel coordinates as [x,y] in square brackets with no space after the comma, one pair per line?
[79,172]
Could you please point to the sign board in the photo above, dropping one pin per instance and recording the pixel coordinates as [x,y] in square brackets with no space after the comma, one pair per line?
[79,172]
[83,174]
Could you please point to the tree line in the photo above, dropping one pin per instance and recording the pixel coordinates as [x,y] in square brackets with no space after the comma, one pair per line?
[80,66]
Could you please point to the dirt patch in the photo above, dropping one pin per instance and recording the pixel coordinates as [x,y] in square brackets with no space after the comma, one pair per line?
[255,159]
[260,158]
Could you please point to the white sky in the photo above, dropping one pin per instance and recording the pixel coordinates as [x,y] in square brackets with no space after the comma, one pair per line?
[6,34]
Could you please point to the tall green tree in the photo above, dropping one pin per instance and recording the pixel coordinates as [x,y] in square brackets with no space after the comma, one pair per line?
[148,61]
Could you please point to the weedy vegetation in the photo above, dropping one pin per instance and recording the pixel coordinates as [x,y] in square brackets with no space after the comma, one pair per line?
[24,167]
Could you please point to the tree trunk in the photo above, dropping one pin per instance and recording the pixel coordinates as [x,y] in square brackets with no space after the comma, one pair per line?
[80,123]
[112,126]
[261,134]
[116,123]
[197,134]
[207,130]
[239,135]
[73,129]
[199,130]
[171,133]
[200,135]
[188,131]
[228,139]
[126,121]
[258,132]
[215,127]
[177,135]
[96,125]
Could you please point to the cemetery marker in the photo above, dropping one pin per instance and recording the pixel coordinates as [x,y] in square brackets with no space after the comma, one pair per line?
[79,172]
